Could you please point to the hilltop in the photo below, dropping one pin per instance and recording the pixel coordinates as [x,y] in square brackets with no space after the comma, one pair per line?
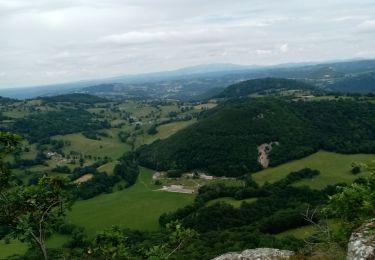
[194,83]
[264,86]
[227,139]
[74,98]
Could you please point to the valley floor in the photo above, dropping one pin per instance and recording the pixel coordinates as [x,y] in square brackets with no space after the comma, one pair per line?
[140,206]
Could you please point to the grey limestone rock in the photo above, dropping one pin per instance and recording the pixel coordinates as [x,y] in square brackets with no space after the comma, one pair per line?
[362,243]
[257,254]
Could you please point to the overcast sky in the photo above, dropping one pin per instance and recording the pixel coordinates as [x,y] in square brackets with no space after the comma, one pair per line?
[51,41]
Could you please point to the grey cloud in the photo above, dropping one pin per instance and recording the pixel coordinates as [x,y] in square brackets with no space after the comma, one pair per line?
[50,41]
[367,26]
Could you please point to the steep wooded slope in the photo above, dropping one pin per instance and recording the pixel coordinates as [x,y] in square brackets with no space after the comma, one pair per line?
[225,140]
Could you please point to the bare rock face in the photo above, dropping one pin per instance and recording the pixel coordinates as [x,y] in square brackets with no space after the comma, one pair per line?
[257,254]
[362,243]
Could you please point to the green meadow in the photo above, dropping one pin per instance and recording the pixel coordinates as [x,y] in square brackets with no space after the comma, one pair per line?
[110,147]
[334,168]
[137,207]
[15,247]
[231,201]
[165,131]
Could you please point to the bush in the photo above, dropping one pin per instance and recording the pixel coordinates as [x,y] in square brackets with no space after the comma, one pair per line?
[62,169]
[174,174]
[356,169]
[152,130]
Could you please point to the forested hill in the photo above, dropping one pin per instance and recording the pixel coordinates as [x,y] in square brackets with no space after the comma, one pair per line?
[75,98]
[4,100]
[363,83]
[225,140]
[264,85]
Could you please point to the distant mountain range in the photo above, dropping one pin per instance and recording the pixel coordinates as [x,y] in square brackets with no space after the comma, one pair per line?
[203,81]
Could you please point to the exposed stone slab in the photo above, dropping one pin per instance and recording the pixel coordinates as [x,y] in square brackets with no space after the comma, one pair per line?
[362,243]
[257,254]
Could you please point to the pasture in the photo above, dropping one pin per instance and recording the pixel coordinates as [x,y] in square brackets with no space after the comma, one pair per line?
[334,168]
[110,147]
[231,201]
[137,207]
[165,131]
[15,247]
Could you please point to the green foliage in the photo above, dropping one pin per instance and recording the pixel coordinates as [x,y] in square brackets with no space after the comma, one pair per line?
[152,130]
[61,169]
[305,173]
[178,237]
[123,136]
[356,169]
[116,243]
[91,135]
[174,173]
[110,244]
[98,184]
[354,204]
[8,144]
[127,169]
[31,213]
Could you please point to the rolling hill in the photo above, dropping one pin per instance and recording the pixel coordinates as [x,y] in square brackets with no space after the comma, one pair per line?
[226,140]
[192,83]
[264,85]
[362,83]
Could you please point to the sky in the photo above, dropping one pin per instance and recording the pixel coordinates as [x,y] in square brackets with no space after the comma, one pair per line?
[54,41]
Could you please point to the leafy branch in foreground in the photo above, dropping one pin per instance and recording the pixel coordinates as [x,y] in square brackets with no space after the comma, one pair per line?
[115,243]
[353,204]
[31,213]
[179,237]
[8,143]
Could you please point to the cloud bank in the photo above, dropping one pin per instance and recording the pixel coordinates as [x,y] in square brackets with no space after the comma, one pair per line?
[52,41]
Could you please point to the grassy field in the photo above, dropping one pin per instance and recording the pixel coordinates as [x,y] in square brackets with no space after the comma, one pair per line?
[111,147]
[300,233]
[137,207]
[16,113]
[205,106]
[306,231]
[108,167]
[136,109]
[15,247]
[196,183]
[165,131]
[333,167]
[231,201]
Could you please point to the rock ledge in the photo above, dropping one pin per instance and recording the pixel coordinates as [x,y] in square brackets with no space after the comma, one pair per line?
[257,254]
[362,243]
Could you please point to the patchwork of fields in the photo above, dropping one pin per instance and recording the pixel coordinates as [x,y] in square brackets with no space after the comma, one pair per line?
[140,206]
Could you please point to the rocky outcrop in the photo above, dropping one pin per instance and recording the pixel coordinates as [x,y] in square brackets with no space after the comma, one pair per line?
[257,254]
[362,243]
[263,152]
